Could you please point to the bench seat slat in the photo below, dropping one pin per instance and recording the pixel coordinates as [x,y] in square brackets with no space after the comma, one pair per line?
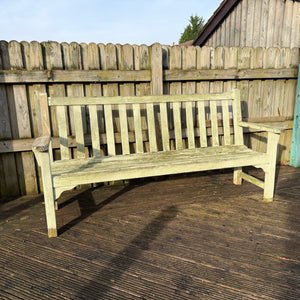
[154,164]
[60,166]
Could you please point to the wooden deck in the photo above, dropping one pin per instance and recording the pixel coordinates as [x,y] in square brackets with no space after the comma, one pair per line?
[184,237]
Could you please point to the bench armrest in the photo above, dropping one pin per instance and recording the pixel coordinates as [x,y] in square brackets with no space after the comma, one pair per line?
[41,144]
[263,127]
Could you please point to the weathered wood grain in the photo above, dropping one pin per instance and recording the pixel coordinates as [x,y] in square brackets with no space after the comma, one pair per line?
[257,23]
[20,120]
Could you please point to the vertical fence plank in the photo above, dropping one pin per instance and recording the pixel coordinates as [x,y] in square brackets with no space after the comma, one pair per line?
[33,57]
[54,61]
[142,62]
[126,62]
[157,89]
[21,123]
[190,63]
[91,61]
[8,172]
[175,89]
[271,23]
[295,34]
[218,60]
[203,63]
[109,62]
[73,61]
[257,13]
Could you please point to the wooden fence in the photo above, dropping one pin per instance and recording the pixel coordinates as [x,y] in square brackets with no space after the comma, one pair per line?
[267,79]
[257,23]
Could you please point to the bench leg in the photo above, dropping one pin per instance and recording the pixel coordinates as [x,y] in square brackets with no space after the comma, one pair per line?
[48,194]
[237,178]
[270,171]
[269,185]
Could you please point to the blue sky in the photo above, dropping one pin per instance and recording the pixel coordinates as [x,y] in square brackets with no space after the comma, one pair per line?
[110,21]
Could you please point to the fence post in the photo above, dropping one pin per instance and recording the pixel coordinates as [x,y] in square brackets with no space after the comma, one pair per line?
[295,150]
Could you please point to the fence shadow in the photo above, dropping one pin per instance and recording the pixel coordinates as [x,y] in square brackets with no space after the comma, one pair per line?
[99,287]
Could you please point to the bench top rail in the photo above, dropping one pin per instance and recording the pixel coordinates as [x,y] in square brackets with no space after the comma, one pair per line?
[56,101]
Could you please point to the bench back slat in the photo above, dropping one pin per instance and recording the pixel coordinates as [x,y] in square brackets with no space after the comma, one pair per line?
[77,113]
[147,123]
[177,125]
[138,128]
[124,129]
[151,127]
[190,125]
[95,130]
[226,124]
[61,114]
[202,124]
[109,128]
[214,123]
[164,126]
[237,117]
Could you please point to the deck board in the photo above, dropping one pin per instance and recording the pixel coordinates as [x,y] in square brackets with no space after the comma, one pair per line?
[194,236]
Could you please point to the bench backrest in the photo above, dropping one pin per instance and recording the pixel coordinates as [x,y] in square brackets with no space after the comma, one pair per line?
[123,125]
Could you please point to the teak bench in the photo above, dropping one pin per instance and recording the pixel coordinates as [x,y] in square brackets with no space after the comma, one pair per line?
[184,133]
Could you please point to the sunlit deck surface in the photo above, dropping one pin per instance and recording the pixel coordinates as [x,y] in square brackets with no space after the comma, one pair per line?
[179,237]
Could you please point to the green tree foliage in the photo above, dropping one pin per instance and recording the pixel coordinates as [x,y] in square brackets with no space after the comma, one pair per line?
[192,29]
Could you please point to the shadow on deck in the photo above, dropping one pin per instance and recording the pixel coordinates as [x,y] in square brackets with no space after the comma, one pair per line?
[187,237]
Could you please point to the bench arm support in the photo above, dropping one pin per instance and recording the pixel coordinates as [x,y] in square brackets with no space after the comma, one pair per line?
[262,127]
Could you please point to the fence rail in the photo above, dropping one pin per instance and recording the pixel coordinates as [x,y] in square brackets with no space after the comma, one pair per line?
[266,77]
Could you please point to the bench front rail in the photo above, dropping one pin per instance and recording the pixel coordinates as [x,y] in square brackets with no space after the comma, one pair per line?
[134,137]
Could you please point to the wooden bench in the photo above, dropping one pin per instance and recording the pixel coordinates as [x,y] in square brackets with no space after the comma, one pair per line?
[146,136]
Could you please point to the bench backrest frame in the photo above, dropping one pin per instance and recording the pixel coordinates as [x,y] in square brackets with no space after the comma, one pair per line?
[121,103]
